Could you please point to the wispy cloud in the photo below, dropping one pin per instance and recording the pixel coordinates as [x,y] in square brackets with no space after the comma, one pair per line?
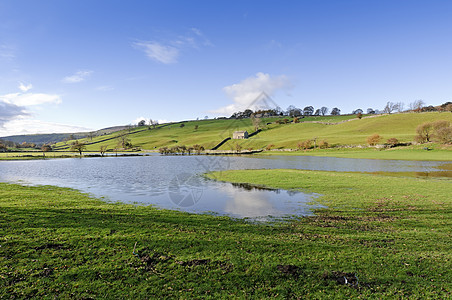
[105,88]
[168,52]
[159,52]
[244,93]
[6,52]
[201,37]
[79,76]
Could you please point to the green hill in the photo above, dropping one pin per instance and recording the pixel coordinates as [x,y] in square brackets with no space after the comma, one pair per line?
[342,130]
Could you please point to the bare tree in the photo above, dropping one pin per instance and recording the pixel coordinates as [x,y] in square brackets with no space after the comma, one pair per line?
[45,148]
[102,150]
[79,147]
[390,107]
[91,135]
[424,132]
[400,106]
[308,111]
[293,111]
[3,147]
[123,140]
[129,128]
[154,123]
[373,139]
[238,147]
[417,105]
[257,122]
[323,110]
[335,111]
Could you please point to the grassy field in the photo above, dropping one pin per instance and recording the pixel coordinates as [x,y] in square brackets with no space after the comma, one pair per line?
[210,132]
[354,132]
[389,237]
[418,152]
[394,233]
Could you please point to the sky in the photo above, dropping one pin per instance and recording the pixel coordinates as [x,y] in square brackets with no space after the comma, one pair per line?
[82,65]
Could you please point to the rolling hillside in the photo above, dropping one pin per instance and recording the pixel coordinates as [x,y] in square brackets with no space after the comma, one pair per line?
[208,133]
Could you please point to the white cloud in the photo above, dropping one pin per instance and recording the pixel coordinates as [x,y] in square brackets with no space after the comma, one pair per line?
[134,122]
[26,125]
[15,119]
[159,52]
[245,93]
[79,76]
[169,51]
[29,99]
[105,88]
[25,88]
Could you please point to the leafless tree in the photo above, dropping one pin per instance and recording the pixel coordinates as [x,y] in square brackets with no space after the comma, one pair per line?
[79,147]
[400,106]
[45,148]
[102,150]
[336,111]
[91,135]
[257,122]
[424,132]
[3,147]
[123,140]
[417,105]
[390,107]
[323,110]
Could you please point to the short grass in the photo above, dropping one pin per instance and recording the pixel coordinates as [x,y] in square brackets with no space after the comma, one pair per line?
[392,234]
[432,152]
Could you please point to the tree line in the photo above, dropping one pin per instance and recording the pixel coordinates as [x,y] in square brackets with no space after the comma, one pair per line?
[293,111]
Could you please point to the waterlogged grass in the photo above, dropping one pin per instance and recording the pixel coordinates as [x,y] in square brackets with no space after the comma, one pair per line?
[389,237]
[395,234]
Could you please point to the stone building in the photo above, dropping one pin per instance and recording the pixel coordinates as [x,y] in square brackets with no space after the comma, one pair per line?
[240,135]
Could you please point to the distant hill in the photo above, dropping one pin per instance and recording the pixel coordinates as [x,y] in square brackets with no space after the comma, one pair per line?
[41,138]
[51,138]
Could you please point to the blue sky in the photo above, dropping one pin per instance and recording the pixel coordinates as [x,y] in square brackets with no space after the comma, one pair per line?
[83,65]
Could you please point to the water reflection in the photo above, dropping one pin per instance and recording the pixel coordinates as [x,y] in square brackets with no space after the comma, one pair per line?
[174,182]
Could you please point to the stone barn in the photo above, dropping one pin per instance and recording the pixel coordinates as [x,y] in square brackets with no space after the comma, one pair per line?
[240,135]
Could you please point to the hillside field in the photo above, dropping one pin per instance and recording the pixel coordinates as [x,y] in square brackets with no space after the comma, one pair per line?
[336,130]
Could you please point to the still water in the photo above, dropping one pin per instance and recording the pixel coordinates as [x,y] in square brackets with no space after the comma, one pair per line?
[175,182]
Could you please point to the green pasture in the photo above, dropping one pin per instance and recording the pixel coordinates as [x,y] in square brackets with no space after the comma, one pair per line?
[390,238]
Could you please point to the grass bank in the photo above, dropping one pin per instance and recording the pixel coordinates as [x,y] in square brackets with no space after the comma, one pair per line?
[389,237]
[432,152]
[393,233]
